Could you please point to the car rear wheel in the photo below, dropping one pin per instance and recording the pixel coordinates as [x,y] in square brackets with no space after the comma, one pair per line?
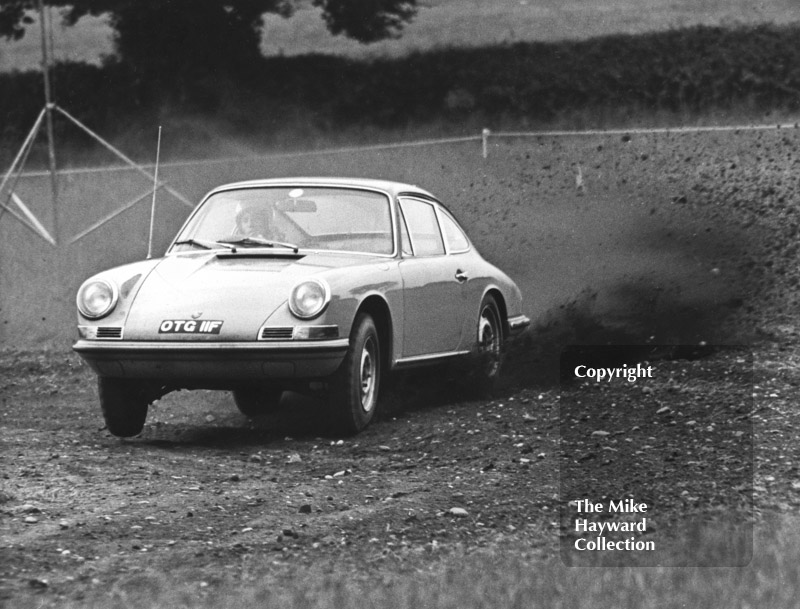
[257,401]
[124,405]
[356,385]
[489,345]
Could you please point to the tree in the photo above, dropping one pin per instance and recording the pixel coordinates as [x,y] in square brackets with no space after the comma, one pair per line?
[367,20]
[167,42]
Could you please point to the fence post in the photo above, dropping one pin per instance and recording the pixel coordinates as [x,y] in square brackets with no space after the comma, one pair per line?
[485,136]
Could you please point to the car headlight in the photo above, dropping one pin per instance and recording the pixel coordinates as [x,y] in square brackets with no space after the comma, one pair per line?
[97,298]
[309,298]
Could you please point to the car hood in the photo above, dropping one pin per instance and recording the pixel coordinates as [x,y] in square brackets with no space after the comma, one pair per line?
[241,291]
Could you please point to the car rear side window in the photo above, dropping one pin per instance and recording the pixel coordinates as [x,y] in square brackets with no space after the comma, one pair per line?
[426,238]
[456,239]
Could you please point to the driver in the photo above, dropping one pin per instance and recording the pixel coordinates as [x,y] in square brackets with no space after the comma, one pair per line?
[252,222]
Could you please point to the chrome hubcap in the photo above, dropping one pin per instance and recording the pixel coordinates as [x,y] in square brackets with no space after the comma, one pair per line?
[368,374]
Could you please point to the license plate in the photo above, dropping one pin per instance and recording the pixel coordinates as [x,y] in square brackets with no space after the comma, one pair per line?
[190,326]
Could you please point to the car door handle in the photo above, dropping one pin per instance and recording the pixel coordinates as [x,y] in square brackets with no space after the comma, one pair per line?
[461,276]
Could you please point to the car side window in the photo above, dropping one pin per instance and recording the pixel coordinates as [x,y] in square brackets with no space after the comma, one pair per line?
[426,238]
[456,239]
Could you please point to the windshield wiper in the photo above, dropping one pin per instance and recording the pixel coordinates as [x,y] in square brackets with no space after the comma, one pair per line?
[209,245]
[263,242]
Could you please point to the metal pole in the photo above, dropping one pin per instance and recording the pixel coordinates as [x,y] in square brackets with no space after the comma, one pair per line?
[51,151]
[26,150]
[155,189]
[23,151]
[134,165]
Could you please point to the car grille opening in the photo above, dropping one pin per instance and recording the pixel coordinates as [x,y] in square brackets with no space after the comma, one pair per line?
[109,332]
[276,333]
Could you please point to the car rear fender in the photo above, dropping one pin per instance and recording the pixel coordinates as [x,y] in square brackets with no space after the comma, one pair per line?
[497,294]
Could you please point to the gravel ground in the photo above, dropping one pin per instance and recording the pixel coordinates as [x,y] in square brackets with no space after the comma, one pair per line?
[211,497]
[204,492]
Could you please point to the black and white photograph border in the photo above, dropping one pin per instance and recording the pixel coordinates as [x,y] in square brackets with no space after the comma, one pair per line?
[635,172]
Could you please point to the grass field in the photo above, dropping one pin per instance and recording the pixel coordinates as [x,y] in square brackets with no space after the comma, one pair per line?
[445,23]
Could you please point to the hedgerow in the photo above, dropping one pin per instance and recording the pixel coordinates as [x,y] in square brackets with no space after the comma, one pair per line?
[682,70]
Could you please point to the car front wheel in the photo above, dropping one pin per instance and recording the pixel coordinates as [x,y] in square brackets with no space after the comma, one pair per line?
[256,401]
[124,405]
[356,385]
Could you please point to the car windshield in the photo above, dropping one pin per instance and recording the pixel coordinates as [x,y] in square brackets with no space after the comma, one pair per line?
[339,219]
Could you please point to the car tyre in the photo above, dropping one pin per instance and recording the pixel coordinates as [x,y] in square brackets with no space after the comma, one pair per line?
[490,345]
[124,405]
[355,387]
[257,401]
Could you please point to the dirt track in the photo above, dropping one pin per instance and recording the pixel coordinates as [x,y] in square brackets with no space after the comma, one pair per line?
[203,494]
[203,486]
[212,499]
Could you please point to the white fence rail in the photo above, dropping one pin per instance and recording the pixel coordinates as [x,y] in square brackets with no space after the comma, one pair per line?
[485,137]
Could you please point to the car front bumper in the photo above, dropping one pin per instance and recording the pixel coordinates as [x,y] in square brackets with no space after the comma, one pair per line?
[213,361]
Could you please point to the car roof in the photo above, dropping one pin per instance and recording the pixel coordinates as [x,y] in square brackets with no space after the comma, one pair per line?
[393,188]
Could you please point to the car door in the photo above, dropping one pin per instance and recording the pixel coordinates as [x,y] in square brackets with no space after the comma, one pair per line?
[434,311]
